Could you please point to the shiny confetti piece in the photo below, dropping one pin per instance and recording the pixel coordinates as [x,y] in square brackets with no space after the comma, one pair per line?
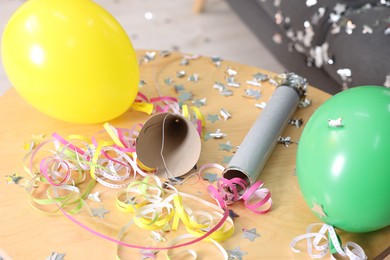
[253,83]
[217,134]
[13,179]
[285,140]
[149,56]
[250,234]
[184,96]
[318,209]
[210,177]
[212,118]
[216,60]
[236,253]
[231,82]
[231,72]
[219,86]
[226,146]
[184,62]
[180,73]
[349,27]
[261,105]
[168,81]
[194,77]
[296,122]
[335,122]
[318,15]
[94,196]
[225,114]
[260,76]
[304,103]
[277,38]
[99,212]
[56,256]
[165,53]
[199,102]
[178,88]
[367,29]
[141,83]
[232,214]
[252,93]
[310,3]
[226,159]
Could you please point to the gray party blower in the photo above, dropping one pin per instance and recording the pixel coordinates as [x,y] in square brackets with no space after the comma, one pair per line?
[258,144]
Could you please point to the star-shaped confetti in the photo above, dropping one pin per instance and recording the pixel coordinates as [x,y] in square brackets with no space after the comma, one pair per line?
[194,77]
[199,102]
[184,96]
[210,177]
[94,196]
[13,179]
[250,234]
[226,159]
[56,256]
[318,209]
[141,83]
[236,253]
[168,81]
[178,87]
[225,114]
[231,82]
[260,76]
[99,212]
[226,146]
[212,118]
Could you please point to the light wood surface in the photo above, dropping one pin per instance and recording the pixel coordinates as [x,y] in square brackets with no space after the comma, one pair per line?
[26,233]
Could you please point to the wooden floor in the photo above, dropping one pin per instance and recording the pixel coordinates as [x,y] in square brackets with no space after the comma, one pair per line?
[172,24]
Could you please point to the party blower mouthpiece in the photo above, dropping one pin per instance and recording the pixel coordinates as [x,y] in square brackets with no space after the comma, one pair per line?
[260,141]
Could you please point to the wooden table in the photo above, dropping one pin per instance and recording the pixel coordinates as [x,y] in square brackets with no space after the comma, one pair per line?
[26,233]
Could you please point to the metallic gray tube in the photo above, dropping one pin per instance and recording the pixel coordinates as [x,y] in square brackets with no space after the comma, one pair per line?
[260,141]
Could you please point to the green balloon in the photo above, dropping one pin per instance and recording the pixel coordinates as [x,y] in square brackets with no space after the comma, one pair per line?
[344,171]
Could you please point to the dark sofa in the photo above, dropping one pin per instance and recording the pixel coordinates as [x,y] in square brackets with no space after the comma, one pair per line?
[334,44]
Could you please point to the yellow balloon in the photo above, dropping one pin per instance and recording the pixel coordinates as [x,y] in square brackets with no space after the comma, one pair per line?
[71,60]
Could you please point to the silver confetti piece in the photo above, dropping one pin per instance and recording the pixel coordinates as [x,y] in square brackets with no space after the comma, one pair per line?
[310,3]
[225,114]
[285,140]
[231,82]
[231,72]
[180,73]
[217,134]
[367,29]
[335,122]
[349,27]
[261,105]
[296,122]
[184,62]
[253,83]
[165,53]
[260,77]
[194,77]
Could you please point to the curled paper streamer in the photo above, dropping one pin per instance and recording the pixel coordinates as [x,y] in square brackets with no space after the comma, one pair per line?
[261,139]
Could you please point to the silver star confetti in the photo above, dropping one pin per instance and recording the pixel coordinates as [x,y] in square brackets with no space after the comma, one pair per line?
[225,114]
[141,83]
[231,82]
[226,147]
[217,134]
[250,234]
[180,73]
[261,105]
[212,118]
[285,140]
[168,81]
[99,212]
[165,53]
[252,93]
[184,96]
[199,102]
[178,88]
[236,253]
[194,77]
[296,122]
[216,60]
[210,177]
[13,179]
[56,256]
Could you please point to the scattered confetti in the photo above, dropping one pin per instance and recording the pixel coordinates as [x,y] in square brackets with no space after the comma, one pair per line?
[226,159]
[236,253]
[184,62]
[310,3]
[141,83]
[250,234]
[335,122]
[218,134]
[252,93]
[216,60]
[231,72]
[149,56]
[260,77]
[261,105]
[212,118]
[367,29]
[13,179]
[180,73]
[226,147]
[253,83]
[178,88]
[168,81]
[94,196]
[99,212]
[210,177]
[199,102]
[231,82]
[225,114]
[194,77]
[296,122]
[285,140]
[165,53]
[184,96]
[56,256]
[304,103]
